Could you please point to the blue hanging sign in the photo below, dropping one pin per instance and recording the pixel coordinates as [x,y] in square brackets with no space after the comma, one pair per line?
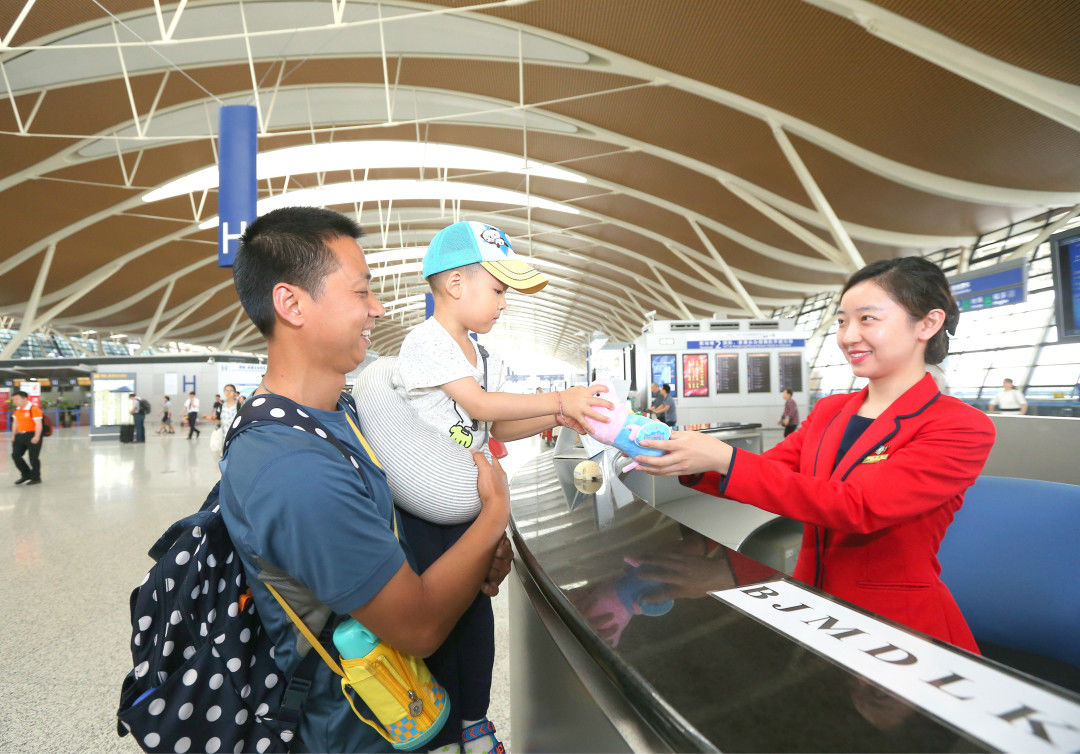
[990,286]
[237,190]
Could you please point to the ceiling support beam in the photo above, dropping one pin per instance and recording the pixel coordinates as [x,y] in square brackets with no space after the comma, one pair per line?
[147,340]
[30,312]
[232,327]
[832,222]
[1044,234]
[678,302]
[166,34]
[741,297]
[196,302]
[15,26]
[826,250]
[1053,99]
[746,299]
[89,283]
[251,70]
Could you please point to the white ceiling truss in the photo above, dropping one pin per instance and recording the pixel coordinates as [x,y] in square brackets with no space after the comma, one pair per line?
[678,273]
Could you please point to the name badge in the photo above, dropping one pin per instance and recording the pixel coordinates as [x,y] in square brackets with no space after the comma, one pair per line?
[878,455]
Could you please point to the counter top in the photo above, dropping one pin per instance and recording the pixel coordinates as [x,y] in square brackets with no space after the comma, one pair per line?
[703,673]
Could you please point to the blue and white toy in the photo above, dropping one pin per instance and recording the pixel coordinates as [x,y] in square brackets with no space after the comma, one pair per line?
[625,430]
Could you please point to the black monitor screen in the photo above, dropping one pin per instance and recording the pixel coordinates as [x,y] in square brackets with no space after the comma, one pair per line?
[1065,254]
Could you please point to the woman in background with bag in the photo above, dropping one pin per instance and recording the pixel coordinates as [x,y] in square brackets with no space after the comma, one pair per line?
[228,413]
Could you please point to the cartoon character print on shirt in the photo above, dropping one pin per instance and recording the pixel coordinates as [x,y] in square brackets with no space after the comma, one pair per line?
[461,434]
[496,238]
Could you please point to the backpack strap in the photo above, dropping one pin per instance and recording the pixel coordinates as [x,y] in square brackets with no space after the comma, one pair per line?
[270,407]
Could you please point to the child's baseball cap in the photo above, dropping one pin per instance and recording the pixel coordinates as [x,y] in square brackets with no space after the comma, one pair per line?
[471,242]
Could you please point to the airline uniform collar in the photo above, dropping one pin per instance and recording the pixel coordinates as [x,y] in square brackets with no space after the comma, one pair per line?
[911,403]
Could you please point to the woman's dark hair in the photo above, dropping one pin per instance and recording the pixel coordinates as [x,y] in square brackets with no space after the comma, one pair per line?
[918,285]
[288,245]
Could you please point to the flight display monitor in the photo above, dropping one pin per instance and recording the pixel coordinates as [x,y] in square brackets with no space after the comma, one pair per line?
[791,372]
[727,373]
[663,370]
[1065,257]
[695,374]
[758,376]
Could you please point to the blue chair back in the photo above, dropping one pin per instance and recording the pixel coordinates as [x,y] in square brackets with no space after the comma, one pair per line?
[1011,558]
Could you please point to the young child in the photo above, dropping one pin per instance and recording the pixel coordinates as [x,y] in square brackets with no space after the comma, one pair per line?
[443,377]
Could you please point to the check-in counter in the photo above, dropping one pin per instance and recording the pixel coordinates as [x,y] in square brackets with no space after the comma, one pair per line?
[722,652]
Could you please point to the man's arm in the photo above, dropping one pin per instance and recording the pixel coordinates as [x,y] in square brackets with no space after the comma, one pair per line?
[38,426]
[415,613]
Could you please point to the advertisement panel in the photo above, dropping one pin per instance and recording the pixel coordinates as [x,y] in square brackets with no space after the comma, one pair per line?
[695,374]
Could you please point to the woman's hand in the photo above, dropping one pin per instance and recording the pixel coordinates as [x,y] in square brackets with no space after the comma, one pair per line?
[686,453]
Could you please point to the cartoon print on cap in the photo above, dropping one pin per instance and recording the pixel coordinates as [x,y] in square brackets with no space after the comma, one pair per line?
[496,238]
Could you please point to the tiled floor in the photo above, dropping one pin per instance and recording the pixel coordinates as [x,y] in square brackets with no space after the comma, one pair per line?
[71,550]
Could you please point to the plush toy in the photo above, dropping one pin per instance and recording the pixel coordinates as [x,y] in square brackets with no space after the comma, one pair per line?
[625,430]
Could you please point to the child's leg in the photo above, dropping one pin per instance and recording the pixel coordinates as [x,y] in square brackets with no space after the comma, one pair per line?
[428,542]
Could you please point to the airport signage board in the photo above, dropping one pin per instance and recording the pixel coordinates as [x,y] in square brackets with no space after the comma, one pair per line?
[986,288]
[750,340]
[1004,711]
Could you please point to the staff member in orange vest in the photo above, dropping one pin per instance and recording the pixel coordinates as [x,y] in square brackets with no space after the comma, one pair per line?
[877,475]
[26,435]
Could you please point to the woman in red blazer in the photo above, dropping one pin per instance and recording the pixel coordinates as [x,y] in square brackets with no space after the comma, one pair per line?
[876,475]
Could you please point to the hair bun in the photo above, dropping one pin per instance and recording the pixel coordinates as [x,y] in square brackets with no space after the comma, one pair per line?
[952,319]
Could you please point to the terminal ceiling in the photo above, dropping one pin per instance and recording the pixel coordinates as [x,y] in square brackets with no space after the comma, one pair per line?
[717,156]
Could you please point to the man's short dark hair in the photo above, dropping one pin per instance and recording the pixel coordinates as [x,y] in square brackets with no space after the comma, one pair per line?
[666,388]
[21,394]
[288,245]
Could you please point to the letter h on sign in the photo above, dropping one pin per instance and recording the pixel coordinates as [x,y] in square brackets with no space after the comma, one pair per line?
[237,130]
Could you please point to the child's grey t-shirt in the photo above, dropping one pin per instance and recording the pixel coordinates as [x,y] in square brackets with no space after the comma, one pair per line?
[426,441]
[430,358]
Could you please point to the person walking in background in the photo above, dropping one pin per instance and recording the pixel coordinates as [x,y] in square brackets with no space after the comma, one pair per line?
[789,420]
[191,406]
[1009,400]
[227,412]
[217,409]
[166,427]
[138,414]
[26,430]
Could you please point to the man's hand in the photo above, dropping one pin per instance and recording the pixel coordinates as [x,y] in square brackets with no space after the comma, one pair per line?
[35,439]
[493,489]
[500,567]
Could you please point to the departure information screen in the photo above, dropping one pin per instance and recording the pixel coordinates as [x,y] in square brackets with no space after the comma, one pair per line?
[791,372]
[757,373]
[1065,256]
[727,373]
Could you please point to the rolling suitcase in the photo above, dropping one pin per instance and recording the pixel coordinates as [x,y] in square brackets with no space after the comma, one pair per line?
[127,433]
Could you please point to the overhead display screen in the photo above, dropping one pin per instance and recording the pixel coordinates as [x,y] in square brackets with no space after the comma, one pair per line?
[663,370]
[695,374]
[1065,256]
[757,373]
[727,373]
[791,372]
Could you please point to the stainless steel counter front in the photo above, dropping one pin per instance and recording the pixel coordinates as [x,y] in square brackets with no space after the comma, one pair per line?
[605,657]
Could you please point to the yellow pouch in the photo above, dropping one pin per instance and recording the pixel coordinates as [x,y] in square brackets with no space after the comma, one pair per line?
[410,706]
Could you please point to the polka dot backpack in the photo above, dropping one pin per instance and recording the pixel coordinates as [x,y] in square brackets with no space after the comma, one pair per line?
[204,676]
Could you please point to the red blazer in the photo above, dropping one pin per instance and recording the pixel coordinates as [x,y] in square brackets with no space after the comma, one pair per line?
[874,524]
